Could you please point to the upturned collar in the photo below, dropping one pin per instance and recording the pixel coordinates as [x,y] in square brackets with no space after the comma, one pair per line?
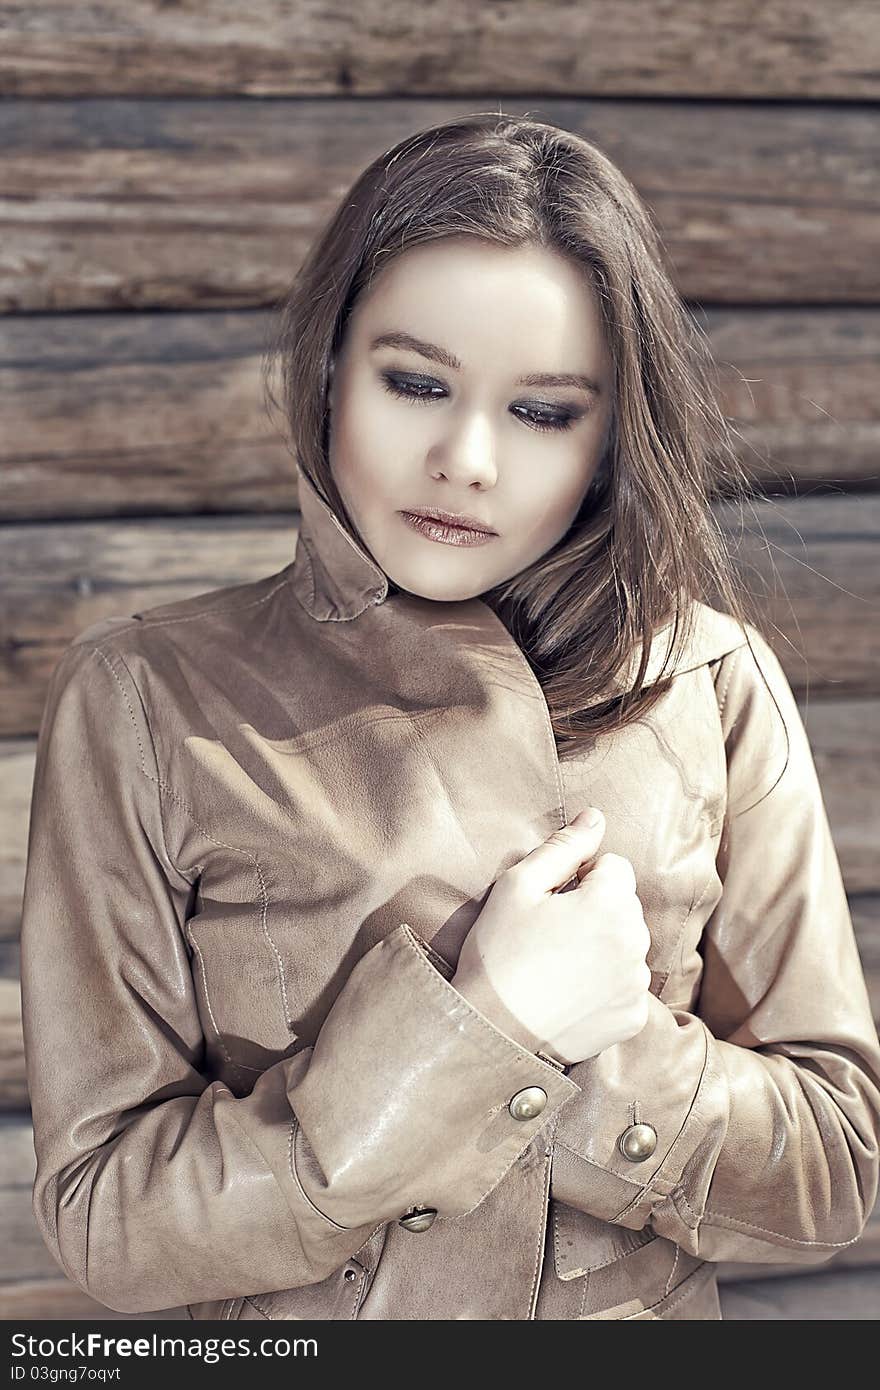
[336,580]
[333,577]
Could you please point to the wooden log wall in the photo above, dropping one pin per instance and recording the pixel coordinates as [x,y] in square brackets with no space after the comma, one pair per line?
[163,170]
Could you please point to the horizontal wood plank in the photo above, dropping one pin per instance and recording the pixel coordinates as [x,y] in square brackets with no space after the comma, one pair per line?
[88,571]
[140,413]
[153,413]
[45,1300]
[865,1253]
[810,565]
[782,48]
[829,1295]
[213,204]
[16,780]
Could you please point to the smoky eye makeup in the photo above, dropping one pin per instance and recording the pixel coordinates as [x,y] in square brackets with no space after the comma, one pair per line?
[537,415]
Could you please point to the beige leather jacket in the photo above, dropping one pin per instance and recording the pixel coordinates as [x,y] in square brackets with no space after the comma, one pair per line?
[263,821]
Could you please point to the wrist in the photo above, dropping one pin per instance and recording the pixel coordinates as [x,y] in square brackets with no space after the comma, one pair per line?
[474,985]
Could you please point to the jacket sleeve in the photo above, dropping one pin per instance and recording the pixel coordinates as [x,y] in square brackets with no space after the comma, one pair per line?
[155,1185]
[766,1100]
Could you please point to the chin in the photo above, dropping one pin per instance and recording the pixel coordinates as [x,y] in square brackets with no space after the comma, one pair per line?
[438,593]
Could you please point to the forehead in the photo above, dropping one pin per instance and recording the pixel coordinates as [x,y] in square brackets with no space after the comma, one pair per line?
[483,302]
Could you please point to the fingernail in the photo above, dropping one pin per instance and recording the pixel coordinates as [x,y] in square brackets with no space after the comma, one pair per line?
[591,817]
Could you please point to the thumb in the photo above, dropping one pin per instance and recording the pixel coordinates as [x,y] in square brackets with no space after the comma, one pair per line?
[553,863]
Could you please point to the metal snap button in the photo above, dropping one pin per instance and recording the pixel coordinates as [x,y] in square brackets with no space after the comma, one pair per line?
[638,1142]
[350,1274]
[526,1104]
[419,1219]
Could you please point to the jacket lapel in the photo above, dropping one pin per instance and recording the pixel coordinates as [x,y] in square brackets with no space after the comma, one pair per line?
[447,774]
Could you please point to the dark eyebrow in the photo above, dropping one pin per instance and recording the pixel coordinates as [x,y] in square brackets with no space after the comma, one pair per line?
[438,354]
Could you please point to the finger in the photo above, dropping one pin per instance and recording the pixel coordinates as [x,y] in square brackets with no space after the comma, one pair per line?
[616,869]
[552,864]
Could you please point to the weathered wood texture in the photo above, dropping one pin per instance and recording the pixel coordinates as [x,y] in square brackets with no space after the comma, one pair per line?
[151,413]
[212,204]
[79,572]
[809,562]
[32,1284]
[838,1295]
[782,48]
[57,1299]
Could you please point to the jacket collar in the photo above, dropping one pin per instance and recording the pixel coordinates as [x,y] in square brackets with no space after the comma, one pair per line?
[336,580]
[710,635]
[333,576]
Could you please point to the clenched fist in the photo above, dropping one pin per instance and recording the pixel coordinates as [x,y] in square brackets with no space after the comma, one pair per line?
[561,971]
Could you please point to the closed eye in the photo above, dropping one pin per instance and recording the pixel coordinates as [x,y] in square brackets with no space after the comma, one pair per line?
[423,389]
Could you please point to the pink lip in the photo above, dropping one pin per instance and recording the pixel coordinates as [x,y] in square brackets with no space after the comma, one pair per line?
[457,519]
[445,532]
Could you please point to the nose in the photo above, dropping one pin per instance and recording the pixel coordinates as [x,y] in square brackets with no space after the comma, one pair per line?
[466,454]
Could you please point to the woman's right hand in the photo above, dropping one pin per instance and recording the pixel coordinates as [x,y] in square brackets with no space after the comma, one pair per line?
[561,971]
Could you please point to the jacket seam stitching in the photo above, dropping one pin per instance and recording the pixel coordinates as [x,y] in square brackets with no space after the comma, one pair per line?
[547,723]
[584,1289]
[660,1173]
[668,1288]
[146,623]
[722,699]
[640,1187]
[676,947]
[358,1296]
[678,1195]
[501,1040]
[440,985]
[250,1298]
[124,664]
[720,1218]
[564,1144]
[684,1290]
[539,1244]
[303,541]
[344,612]
[291,1163]
[696,902]
[238,1067]
[583,1270]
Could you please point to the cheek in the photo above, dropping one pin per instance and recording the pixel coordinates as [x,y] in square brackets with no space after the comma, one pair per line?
[368,433]
[547,513]
[353,444]
[551,479]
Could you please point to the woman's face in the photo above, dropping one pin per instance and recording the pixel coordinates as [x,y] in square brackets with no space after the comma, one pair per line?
[445,418]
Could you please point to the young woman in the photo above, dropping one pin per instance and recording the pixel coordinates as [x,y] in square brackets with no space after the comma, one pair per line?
[448,925]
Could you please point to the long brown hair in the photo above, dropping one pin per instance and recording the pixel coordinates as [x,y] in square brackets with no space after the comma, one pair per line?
[645,541]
